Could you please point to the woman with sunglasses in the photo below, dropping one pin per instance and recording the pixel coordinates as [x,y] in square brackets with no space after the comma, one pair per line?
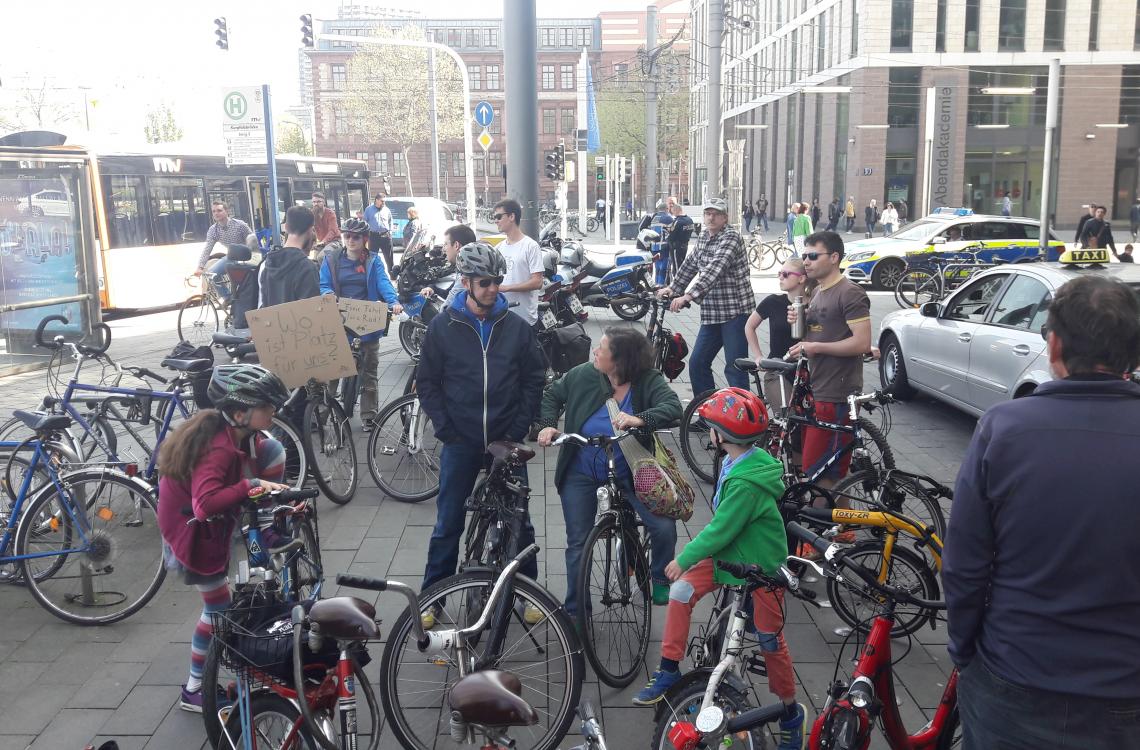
[774,308]
[349,270]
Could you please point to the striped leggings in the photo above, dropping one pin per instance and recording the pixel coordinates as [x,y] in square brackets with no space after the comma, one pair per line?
[270,465]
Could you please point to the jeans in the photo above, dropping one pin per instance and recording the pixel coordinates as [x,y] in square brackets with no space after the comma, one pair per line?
[367,380]
[998,715]
[459,467]
[661,267]
[850,223]
[887,229]
[713,337]
[763,217]
[221,280]
[580,505]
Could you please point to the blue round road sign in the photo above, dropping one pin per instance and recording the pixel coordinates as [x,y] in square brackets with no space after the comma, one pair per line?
[484,114]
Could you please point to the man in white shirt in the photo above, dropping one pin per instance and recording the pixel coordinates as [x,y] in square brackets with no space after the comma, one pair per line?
[523,280]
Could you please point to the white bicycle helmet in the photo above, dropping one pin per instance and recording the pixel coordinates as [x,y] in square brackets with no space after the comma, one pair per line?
[480,259]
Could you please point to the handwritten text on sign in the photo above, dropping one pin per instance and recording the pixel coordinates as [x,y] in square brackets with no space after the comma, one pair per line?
[302,340]
[363,316]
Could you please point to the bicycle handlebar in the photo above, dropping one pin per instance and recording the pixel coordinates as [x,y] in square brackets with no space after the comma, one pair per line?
[58,343]
[598,441]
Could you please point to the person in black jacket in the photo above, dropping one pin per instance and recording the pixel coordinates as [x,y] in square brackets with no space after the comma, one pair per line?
[287,274]
[480,379]
[1098,232]
[1083,220]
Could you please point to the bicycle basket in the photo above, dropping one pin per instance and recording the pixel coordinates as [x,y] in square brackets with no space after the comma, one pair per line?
[675,353]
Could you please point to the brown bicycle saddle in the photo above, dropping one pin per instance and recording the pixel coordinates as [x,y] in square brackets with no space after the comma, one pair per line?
[491,699]
[504,450]
[345,617]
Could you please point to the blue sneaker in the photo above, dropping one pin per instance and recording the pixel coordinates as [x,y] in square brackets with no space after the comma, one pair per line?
[658,685]
[792,730]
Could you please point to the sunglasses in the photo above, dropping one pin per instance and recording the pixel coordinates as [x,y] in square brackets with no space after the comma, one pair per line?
[814,256]
[352,236]
[496,217]
[489,281]
[786,274]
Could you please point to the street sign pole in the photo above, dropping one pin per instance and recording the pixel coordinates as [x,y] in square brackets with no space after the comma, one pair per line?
[271,160]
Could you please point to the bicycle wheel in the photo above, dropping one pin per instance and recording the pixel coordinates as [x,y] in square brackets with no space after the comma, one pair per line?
[591,225]
[198,321]
[330,449]
[614,602]
[412,334]
[276,724]
[696,447]
[879,453]
[546,657]
[907,496]
[857,605]
[18,465]
[305,570]
[106,536]
[687,705]
[915,288]
[296,462]
[403,452]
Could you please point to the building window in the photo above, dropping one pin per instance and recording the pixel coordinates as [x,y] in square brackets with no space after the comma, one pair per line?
[547,77]
[903,97]
[1015,111]
[940,27]
[546,37]
[566,37]
[495,164]
[472,37]
[1094,26]
[400,166]
[568,121]
[342,154]
[1055,24]
[440,36]
[567,77]
[583,38]
[973,24]
[362,156]
[490,37]
[1011,26]
[493,78]
[854,29]
[822,42]
[382,163]
[479,164]
[455,37]
[458,165]
[902,25]
[547,121]
[496,126]
[476,74]
[621,73]
[339,76]
[340,122]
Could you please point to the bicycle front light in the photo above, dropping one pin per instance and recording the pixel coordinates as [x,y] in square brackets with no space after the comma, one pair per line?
[861,692]
[605,499]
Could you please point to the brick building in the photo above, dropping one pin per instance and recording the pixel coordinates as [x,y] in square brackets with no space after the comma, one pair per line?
[864,134]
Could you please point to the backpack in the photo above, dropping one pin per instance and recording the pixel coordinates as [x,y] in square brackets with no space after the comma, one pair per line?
[246,291]
[569,347]
[675,355]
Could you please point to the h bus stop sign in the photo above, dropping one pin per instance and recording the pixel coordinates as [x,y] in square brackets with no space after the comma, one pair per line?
[243,125]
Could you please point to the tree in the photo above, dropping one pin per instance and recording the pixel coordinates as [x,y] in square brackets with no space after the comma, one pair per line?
[291,139]
[161,126]
[38,107]
[385,94]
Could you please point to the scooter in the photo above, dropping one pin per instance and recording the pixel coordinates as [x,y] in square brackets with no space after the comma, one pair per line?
[600,284]
[425,267]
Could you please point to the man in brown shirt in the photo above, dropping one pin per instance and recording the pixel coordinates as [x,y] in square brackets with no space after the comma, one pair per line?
[326,226]
[838,335]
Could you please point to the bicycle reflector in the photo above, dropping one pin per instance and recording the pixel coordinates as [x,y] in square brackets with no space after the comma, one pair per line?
[132,470]
[684,735]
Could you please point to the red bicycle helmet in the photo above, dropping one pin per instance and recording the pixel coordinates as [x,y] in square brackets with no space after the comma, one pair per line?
[737,414]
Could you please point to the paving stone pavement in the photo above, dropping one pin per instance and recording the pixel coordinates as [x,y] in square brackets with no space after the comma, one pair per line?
[62,686]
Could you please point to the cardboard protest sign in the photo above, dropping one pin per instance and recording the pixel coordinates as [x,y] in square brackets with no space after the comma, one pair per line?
[363,316]
[302,340]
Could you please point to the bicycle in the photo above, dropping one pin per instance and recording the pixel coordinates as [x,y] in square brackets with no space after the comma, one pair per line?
[403,451]
[614,585]
[83,535]
[710,703]
[592,736]
[326,435]
[592,224]
[852,708]
[205,313]
[932,278]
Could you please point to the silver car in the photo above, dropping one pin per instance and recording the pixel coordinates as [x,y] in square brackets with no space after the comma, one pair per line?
[982,344]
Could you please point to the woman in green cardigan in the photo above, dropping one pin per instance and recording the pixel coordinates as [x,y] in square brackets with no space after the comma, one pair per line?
[622,370]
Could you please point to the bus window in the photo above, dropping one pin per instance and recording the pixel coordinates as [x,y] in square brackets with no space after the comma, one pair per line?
[125,202]
[335,198]
[303,192]
[357,198]
[233,194]
[178,210]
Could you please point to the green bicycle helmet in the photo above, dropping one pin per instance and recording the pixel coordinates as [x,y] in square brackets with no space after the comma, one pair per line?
[480,259]
[240,387]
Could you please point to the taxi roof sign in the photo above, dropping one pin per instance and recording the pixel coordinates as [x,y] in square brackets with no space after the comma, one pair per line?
[1089,255]
[943,210]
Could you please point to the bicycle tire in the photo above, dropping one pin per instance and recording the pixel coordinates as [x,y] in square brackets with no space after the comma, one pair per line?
[399,685]
[306,572]
[696,448]
[137,548]
[412,334]
[687,705]
[12,571]
[278,716]
[878,449]
[296,460]
[198,321]
[906,498]
[921,582]
[348,392]
[330,450]
[914,288]
[610,663]
[400,474]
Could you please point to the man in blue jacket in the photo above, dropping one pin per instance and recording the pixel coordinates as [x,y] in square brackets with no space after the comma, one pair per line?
[351,271]
[480,379]
[1041,573]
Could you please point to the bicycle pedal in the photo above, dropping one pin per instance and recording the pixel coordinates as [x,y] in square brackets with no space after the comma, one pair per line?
[756,665]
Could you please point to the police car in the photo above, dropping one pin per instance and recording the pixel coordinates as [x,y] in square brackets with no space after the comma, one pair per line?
[983,344]
[882,260]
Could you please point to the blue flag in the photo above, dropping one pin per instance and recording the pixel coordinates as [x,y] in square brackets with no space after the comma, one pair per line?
[593,134]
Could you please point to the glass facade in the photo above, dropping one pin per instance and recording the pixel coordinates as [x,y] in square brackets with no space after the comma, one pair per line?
[973,24]
[902,25]
[1055,25]
[1011,26]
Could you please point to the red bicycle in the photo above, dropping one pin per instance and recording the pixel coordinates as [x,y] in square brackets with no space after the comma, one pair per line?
[853,709]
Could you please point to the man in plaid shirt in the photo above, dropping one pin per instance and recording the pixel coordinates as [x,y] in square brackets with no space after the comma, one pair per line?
[724,293]
[227,231]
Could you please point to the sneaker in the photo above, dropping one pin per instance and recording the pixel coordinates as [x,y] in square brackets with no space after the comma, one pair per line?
[532,615]
[656,688]
[660,594]
[430,617]
[192,701]
[792,730]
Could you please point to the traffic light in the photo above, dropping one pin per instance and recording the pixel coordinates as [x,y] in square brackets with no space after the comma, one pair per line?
[223,33]
[601,173]
[307,30]
[556,163]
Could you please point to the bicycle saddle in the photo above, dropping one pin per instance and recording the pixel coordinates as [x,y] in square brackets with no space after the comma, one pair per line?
[744,364]
[778,365]
[42,422]
[228,339]
[187,365]
[504,450]
[492,699]
[345,617]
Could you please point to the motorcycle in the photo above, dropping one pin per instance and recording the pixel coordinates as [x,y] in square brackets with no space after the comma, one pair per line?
[423,267]
[601,284]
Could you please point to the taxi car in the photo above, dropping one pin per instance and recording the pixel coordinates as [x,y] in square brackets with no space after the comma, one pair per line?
[983,344]
[1008,239]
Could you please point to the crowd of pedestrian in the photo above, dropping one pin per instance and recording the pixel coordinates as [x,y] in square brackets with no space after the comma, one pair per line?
[840,216]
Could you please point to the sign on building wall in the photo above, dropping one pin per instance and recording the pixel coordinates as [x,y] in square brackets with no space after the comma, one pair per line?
[945,156]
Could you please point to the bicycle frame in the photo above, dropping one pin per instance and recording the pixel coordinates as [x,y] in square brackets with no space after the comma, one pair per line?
[892,523]
[39,458]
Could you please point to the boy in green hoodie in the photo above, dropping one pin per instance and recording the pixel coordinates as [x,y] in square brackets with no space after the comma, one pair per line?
[746,528]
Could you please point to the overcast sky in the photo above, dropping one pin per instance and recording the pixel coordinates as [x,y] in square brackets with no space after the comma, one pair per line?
[131,53]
